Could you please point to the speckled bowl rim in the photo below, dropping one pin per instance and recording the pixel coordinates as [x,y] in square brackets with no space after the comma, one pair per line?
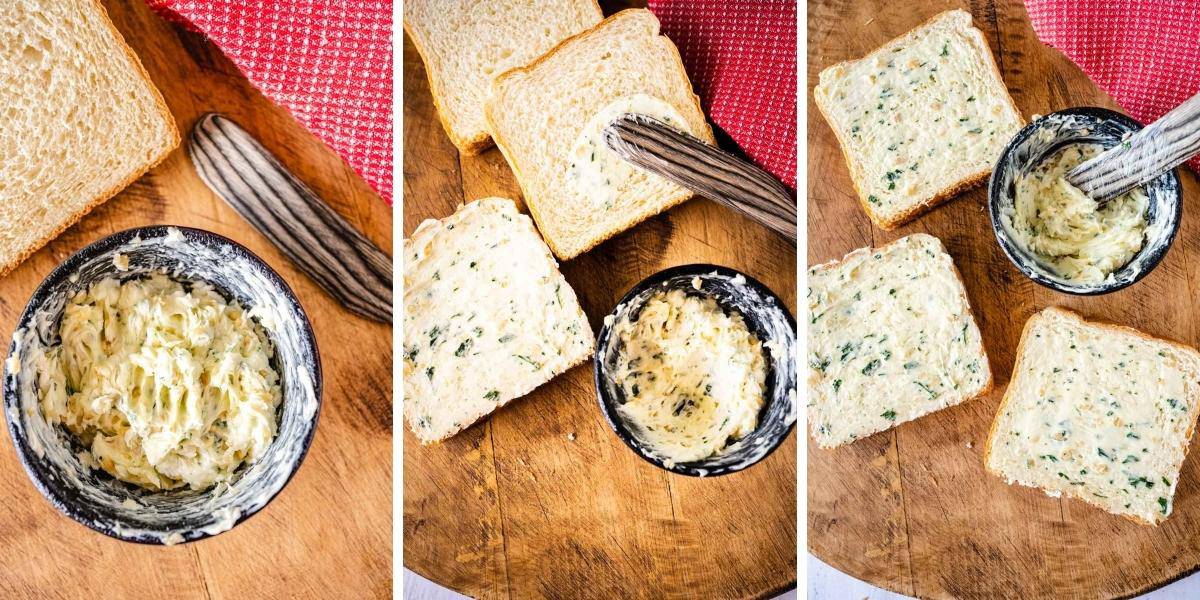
[111,243]
[608,403]
[1016,255]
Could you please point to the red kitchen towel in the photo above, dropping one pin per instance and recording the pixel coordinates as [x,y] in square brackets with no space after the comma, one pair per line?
[1144,53]
[741,57]
[329,62]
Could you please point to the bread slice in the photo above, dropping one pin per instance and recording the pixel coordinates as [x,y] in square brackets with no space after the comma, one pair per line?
[82,120]
[548,114]
[891,338]
[466,43]
[1097,412]
[921,119]
[487,317]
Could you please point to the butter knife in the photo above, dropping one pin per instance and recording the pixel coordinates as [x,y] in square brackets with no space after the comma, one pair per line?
[302,225]
[707,170]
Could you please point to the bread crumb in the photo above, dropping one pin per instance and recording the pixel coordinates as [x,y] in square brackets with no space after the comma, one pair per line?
[970,444]
[571,436]
[696,283]
[121,262]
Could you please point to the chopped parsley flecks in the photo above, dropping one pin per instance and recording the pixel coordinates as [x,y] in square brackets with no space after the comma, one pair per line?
[928,390]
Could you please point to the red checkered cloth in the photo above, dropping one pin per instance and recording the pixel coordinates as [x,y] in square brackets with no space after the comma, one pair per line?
[741,57]
[1144,53]
[329,62]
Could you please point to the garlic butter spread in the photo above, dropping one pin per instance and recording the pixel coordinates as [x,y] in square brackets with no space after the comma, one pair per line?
[599,172]
[1098,413]
[1066,230]
[166,387]
[693,376]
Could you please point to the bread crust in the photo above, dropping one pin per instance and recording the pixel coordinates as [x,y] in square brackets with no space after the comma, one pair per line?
[163,111]
[503,145]
[475,144]
[1193,413]
[987,386]
[943,195]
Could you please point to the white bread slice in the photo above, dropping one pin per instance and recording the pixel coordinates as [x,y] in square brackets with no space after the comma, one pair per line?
[487,317]
[891,338]
[920,119]
[537,113]
[82,120]
[466,43]
[1097,412]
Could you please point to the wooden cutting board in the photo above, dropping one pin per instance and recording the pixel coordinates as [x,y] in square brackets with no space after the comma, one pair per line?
[513,507]
[328,534]
[912,509]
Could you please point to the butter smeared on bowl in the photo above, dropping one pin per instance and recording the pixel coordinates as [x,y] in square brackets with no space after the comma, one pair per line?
[61,466]
[1096,249]
[693,376]
[165,386]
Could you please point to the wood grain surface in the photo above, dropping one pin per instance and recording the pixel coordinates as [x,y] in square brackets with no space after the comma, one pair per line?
[328,534]
[912,509]
[512,507]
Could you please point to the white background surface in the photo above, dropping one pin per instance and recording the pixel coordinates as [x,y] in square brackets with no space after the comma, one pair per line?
[827,583]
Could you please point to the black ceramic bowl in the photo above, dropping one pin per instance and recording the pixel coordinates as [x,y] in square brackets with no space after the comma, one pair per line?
[763,314]
[1041,138]
[130,512]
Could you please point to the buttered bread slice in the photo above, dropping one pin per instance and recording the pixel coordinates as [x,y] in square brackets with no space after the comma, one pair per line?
[891,339]
[1097,412]
[920,119]
[487,317]
[548,119]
